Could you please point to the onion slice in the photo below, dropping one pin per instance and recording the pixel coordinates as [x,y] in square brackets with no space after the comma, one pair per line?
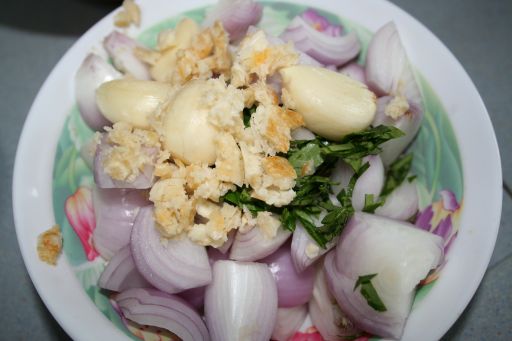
[171,266]
[155,308]
[326,49]
[370,182]
[388,71]
[241,302]
[143,181]
[236,16]
[399,254]
[354,71]
[93,72]
[289,320]
[254,245]
[402,203]
[305,251]
[121,274]
[325,313]
[115,211]
[121,48]
[281,265]
[409,123]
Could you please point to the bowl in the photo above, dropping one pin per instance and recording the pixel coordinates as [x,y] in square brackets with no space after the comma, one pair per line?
[456,145]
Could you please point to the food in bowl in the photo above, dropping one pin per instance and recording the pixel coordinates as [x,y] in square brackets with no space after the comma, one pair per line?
[235,140]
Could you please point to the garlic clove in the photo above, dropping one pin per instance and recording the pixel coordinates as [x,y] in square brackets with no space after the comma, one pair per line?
[132,101]
[187,133]
[170,42]
[332,104]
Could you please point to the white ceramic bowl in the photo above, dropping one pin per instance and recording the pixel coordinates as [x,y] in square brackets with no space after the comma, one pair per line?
[470,254]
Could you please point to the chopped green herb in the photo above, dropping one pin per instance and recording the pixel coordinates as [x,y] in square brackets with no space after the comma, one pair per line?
[288,219]
[396,174]
[241,197]
[370,205]
[351,149]
[369,293]
[247,115]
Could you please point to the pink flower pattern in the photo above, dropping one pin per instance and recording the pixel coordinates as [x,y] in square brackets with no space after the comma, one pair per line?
[80,213]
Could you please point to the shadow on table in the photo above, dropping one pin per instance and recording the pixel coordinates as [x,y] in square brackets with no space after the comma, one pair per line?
[61,17]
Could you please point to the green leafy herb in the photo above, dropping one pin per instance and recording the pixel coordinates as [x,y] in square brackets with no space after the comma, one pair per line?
[241,197]
[396,174]
[288,219]
[306,156]
[247,115]
[369,293]
[370,205]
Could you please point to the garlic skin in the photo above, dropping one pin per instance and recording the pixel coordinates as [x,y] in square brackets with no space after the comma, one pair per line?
[187,133]
[332,104]
[132,101]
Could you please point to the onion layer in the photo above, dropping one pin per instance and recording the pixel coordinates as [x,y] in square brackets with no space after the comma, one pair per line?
[325,313]
[121,274]
[155,308]
[305,251]
[120,48]
[254,245]
[236,16]
[289,320]
[370,182]
[326,49]
[387,68]
[172,266]
[402,203]
[241,302]
[281,265]
[93,72]
[399,254]
[354,71]
[115,211]
[409,123]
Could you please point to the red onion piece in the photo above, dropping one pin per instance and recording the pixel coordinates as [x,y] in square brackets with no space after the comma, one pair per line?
[402,203]
[388,71]
[302,134]
[370,182]
[236,16]
[281,265]
[320,23]
[227,245]
[194,296]
[289,320]
[241,302]
[155,308]
[253,245]
[409,123]
[326,49]
[115,211]
[325,313]
[121,274]
[171,266]
[93,72]
[305,251]
[120,48]
[400,255]
[143,181]
[354,71]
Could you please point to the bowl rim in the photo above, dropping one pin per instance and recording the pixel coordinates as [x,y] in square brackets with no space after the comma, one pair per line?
[33,192]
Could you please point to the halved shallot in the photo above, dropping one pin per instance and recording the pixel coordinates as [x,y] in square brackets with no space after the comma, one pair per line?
[170,265]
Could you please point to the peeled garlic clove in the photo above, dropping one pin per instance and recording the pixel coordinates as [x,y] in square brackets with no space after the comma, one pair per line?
[169,43]
[132,101]
[333,105]
[187,133]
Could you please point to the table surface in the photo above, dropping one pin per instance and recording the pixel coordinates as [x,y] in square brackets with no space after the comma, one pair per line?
[35,34]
